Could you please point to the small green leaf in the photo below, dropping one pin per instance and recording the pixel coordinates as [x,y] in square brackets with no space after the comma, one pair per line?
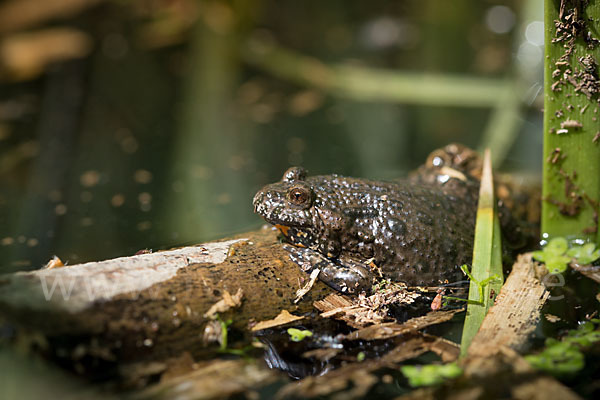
[429,375]
[558,360]
[298,335]
[584,254]
[557,264]
[565,357]
[557,246]
[553,255]
[539,255]
[360,356]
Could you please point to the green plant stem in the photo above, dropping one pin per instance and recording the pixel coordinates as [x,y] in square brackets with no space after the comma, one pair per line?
[571,188]
[370,84]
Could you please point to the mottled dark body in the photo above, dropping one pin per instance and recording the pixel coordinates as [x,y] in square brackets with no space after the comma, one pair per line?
[355,230]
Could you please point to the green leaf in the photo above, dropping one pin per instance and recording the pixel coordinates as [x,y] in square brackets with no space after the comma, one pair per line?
[429,375]
[584,254]
[565,357]
[558,360]
[557,264]
[553,255]
[486,273]
[298,335]
[539,255]
[557,246]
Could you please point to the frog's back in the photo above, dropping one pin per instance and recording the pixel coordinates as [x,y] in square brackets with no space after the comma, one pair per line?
[414,232]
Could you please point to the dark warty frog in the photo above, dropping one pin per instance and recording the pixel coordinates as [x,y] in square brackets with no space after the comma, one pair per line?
[356,230]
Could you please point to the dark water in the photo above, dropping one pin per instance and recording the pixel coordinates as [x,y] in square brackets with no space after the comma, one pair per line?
[151,141]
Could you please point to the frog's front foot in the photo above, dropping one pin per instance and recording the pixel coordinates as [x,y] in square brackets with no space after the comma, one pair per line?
[346,276]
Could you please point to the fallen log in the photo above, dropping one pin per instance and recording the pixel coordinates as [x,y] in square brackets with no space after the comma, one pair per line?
[152,306]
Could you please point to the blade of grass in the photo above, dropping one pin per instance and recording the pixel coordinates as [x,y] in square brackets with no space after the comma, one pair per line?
[486,276]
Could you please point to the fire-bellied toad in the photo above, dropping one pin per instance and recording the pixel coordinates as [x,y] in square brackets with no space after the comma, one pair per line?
[355,230]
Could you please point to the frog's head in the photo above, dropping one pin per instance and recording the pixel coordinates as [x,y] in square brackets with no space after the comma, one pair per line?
[289,205]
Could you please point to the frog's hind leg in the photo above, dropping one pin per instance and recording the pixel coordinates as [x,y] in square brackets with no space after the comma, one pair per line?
[347,276]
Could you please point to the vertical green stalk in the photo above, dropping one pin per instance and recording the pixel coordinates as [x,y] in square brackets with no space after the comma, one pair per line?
[486,275]
[571,119]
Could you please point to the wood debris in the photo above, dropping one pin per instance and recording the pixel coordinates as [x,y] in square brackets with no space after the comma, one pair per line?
[355,375]
[364,310]
[213,333]
[213,379]
[227,302]
[306,288]
[420,344]
[54,262]
[571,124]
[354,379]
[591,271]
[283,318]
[390,329]
[551,318]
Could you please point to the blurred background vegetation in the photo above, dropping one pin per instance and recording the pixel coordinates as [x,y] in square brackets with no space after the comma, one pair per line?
[133,124]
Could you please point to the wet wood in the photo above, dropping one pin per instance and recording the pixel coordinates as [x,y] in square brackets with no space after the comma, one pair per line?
[354,379]
[213,380]
[283,318]
[515,314]
[153,306]
[591,271]
[390,329]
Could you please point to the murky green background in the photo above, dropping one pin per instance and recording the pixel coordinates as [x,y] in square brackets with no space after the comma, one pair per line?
[159,132]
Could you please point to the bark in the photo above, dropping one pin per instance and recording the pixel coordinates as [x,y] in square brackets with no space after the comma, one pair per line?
[151,306]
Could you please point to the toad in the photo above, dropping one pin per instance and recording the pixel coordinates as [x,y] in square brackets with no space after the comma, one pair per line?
[357,230]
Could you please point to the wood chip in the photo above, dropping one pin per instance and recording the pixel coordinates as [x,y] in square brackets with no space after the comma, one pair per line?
[301,292]
[283,318]
[391,329]
[420,344]
[55,262]
[227,302]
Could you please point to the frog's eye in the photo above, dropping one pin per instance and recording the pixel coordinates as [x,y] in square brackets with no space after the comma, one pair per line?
[299,195]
